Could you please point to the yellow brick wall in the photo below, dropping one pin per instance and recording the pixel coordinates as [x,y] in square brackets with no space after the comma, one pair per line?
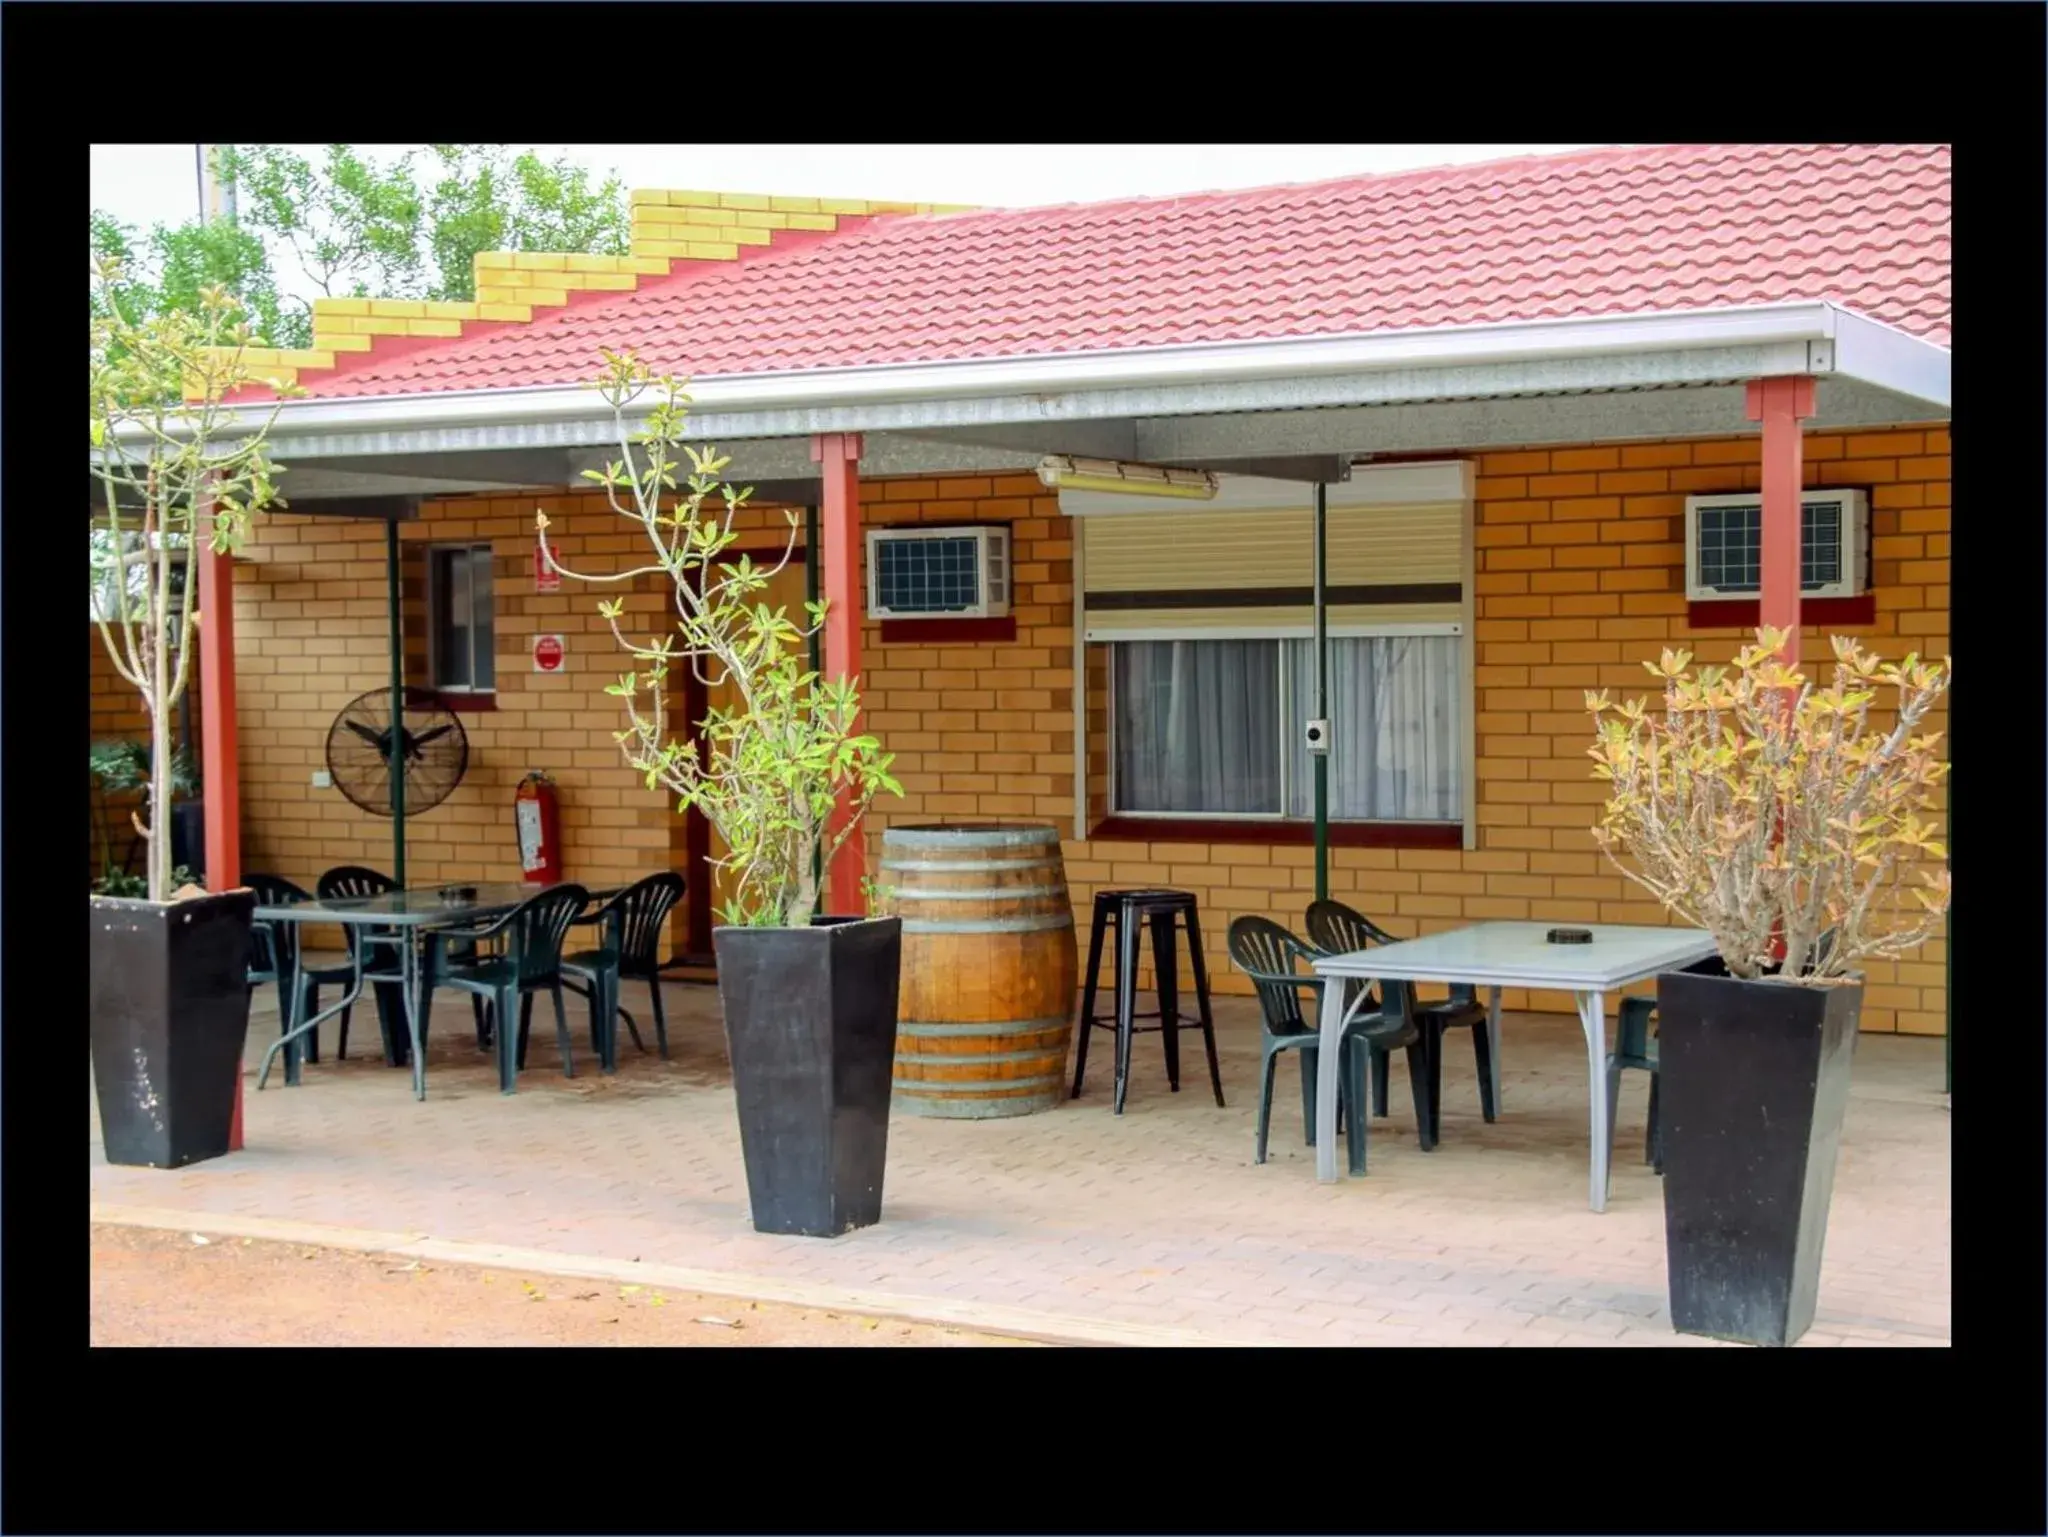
[1580,576]
[312,633]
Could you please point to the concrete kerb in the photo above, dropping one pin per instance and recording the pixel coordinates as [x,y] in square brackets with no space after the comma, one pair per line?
[1018,1323]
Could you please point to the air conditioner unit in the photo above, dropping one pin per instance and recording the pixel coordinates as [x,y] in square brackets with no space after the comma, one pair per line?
[1724,540]
[939,573]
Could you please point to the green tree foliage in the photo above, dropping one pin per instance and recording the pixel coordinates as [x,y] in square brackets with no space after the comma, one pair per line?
[485,199]
[351,226]
[169,269]
[404,228]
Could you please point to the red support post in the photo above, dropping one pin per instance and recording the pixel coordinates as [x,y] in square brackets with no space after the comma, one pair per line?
[837,456]
[1781,404]
[218,766]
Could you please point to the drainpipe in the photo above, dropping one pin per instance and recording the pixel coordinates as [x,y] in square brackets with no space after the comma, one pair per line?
[397,703]
[1319,748]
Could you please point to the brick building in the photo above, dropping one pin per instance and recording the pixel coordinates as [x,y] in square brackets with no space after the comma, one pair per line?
[1514,380]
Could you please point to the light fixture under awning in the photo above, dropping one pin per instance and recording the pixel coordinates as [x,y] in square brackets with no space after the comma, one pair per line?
[1064,473]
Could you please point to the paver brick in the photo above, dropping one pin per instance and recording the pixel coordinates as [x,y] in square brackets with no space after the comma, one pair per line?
[1157,1218]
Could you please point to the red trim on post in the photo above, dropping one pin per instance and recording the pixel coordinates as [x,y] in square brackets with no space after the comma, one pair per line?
[1343,835]
[218,766]
[837,455]
[1779,404]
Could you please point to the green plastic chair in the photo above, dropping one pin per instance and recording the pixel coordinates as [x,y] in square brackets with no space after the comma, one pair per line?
[383,967]
[533,933]
[632,925]
[1635,1047]
[1335,929]
[1267,953]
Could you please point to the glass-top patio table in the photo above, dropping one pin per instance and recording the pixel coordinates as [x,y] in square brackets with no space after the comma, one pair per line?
[1498,955]
[405,916]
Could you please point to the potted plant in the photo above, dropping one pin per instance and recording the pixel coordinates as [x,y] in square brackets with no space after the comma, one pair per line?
[172,463]
[120,769]
[1782,818]
[783,775]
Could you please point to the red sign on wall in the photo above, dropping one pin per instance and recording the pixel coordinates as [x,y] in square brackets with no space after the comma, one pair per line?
[545,577]
[547,653]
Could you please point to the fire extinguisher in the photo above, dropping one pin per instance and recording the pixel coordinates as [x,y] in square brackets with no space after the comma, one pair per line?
[537,814]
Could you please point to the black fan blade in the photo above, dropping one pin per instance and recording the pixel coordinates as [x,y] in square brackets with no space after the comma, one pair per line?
[381,740]
[425,737]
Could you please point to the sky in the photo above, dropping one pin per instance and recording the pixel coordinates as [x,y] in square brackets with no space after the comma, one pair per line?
[143,184]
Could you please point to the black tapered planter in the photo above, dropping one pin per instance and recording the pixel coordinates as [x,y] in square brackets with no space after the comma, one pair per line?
[170,1010]
[1753,1078]
[810,1021]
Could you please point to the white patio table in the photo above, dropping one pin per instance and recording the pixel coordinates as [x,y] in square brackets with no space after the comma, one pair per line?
[1498,955]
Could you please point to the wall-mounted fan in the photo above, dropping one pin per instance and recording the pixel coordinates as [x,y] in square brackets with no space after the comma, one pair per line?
[436,751]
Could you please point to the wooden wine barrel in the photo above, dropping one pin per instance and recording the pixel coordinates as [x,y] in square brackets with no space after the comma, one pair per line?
[987,1001]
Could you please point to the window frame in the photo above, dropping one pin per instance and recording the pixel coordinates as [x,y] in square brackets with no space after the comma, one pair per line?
[984,535]
[1853,544]
[435,552]
[1281,634]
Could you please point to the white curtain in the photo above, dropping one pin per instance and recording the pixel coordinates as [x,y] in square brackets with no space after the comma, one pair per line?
[1200,730]
[1197,726]
[1396,727]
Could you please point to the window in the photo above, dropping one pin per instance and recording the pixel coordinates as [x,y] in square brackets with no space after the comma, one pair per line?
[459,619]
[1724,555]
[939,572]
[1215,728]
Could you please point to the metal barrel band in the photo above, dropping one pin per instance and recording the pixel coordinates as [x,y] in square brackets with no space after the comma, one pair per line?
[988,1027]
[969,866]
[971,835]
[977,893]
[1035,923]
[980,1059]
[919,1088]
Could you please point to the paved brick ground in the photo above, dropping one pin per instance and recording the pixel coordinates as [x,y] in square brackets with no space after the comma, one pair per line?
[1158,1219]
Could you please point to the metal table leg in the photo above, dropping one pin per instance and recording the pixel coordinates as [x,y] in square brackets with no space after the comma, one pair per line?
[305,1027]
[1593,1019]
[411,974]
[1334,1014]
[1493,1044]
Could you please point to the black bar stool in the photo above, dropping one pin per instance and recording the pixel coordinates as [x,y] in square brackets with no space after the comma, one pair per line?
[1128,912]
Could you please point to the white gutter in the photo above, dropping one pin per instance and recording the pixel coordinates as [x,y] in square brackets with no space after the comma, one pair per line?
[1909,365]
[1479,362]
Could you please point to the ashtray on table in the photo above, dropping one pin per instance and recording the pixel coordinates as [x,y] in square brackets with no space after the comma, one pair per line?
[455,895]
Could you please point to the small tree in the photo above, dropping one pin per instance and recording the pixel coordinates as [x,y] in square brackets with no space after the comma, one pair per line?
[776,763]
[1771,813]
[164,464]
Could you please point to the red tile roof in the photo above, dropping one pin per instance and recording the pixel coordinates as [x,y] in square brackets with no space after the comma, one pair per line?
[1604,232]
